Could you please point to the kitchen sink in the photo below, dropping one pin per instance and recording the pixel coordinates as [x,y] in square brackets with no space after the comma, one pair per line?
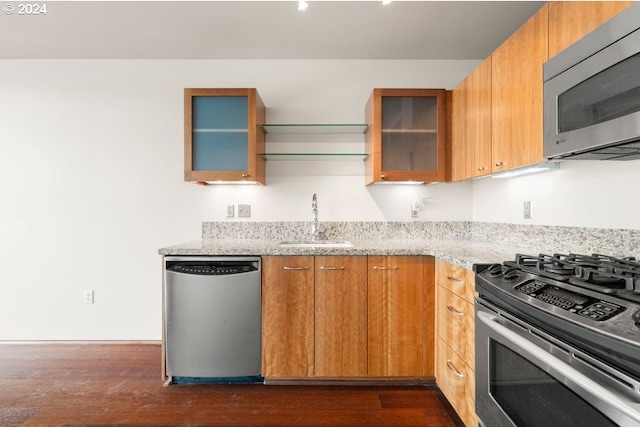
[316,244]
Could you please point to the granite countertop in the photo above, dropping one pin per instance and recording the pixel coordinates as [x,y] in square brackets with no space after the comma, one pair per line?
[460,252]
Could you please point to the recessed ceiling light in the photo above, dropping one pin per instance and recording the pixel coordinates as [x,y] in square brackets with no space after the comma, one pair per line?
[302,5]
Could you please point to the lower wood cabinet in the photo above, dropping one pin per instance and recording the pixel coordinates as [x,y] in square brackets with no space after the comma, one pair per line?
[348,316]
[340,316]
[400,336]
[287,316]
[455,349]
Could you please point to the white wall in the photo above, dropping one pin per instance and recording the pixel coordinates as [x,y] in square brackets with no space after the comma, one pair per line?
[91,179]
[580,193]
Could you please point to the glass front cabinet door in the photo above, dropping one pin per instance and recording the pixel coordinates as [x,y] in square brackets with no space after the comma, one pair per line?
[406,136]
[222,136]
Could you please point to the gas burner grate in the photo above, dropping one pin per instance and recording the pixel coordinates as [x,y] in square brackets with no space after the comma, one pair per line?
[601,273]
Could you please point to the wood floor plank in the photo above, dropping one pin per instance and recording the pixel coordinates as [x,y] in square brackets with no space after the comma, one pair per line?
[56,384]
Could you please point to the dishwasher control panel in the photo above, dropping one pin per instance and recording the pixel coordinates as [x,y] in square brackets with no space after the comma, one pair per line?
[216,268]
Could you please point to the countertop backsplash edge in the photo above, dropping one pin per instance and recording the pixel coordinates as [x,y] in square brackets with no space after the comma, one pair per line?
[561,239]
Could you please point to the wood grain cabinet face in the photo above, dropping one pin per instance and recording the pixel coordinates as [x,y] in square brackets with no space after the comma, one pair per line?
[455,341]
[471,125]
[457,382]
[516,95]
[569,21]
[222,136]
[400,322]
[287,316]
[406,136]
[340,316]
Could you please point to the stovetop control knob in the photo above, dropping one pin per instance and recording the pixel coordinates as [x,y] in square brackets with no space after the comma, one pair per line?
[636,318]
[511,273]
[495,270]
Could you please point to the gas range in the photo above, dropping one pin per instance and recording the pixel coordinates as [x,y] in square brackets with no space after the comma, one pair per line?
[590,301]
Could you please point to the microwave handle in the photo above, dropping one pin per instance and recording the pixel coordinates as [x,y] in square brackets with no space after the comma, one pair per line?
[557,367]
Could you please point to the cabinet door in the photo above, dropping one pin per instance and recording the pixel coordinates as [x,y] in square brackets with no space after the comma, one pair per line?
[395,335]
[341,316]
[471,125]
[406,137]
[516,92]
[455,320]
[222,135]
[457,382]
[569,21]
[287,316]
[456,279]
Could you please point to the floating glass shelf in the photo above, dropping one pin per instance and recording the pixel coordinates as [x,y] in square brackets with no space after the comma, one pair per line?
[314,156]
[315,128]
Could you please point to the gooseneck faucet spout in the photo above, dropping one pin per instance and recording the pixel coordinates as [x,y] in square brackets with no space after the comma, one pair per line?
[316,234]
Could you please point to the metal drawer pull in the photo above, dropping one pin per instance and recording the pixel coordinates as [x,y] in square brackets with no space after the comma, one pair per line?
[324,267]
[454,280]
[376,267]
[295,268]
[454,311]
[245,175]
[453,369]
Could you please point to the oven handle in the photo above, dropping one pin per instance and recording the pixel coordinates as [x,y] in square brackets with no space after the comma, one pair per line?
[570,376]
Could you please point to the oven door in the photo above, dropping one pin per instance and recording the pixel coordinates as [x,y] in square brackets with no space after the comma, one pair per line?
[526,378]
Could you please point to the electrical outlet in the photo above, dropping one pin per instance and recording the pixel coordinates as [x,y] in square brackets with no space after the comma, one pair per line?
[527,209]
[230,211]
[244,211]
[88,297]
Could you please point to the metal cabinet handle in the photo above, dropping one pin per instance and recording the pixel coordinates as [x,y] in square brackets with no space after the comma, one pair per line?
[384,177]
[455,280]
[454,311]
[453,369]
[481,168]
[328,267]
[499,163]
[294,268]
[378,267]
[245,175]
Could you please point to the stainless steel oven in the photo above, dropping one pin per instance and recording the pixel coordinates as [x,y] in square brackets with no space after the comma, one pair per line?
[552,353]
[527,378]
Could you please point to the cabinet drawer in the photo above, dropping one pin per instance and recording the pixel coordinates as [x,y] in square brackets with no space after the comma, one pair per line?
[456,323]
[457,279]
[456,381]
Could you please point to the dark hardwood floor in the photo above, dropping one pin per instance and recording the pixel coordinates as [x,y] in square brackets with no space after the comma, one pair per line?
[95,384]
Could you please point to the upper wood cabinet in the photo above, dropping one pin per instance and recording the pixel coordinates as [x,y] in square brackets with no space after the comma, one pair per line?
[471,125]
[516,95]
[406,136]
[222,136]
[401,323]
[287,316]
[496,116]
[340,316]
[569,21]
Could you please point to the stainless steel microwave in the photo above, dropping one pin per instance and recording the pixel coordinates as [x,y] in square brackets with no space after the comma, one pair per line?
[592,94]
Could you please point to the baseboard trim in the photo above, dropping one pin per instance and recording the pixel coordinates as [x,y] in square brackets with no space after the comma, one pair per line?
[368,382]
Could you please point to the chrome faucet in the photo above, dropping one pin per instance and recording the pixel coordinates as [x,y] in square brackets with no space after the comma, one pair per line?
[316,234]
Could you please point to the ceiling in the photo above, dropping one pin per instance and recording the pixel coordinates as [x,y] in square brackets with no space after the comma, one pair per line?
[262,29]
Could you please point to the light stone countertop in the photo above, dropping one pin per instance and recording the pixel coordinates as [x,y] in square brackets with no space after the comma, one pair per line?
[464,253]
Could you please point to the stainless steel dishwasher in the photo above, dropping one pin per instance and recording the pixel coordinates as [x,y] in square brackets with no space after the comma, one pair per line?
[212,319]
